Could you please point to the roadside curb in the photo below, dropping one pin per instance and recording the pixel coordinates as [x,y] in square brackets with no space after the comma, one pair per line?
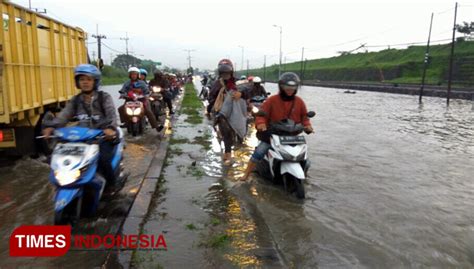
[139,208]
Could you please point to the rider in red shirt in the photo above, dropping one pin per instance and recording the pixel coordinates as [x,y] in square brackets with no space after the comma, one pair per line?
[284,105]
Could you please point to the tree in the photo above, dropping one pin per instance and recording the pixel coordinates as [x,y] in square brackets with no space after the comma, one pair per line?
[467,28]
[124,61]
[190,70]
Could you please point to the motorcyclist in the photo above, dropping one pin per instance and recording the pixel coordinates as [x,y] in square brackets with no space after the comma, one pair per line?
[160,81]
[93,109]
[257,89]
[128,89]
[143,74]
[204,80]
[284,105]
[226,84]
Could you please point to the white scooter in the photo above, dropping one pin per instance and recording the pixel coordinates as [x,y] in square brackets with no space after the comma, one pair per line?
[287,160]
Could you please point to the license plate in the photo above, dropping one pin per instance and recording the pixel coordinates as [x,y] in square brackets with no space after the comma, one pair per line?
[63,149]
[292,140]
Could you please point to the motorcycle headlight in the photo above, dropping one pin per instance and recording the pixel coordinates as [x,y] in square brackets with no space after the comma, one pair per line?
[255,109]
[152,99]
[137,111]
[67,177]
[129,111]
[156,89]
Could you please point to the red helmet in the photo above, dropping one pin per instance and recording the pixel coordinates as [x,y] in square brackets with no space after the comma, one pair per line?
[250,78]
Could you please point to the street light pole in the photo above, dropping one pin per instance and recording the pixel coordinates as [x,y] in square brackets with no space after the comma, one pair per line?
[281,33]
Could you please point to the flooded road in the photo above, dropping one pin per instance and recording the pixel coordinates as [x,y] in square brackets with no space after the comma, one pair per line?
[26,197]
[390,186]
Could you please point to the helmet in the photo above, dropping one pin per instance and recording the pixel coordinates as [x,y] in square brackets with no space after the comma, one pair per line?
[257,80]
[243,77]
[225,66]
[133,69]
[289,79]
[250,78]
[158,73]
[143,72]
[87,70]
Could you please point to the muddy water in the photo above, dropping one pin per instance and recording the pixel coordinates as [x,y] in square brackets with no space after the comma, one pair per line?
[390,185]
[26,198]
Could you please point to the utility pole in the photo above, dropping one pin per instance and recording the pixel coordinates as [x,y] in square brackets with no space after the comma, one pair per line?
[304,68]
[189,55]
[111,58]
[100,62]
[264,68]
[247,67]
[281,33]
[242,59]
[301,72]
[425,65]
[93,55]
[450,77]
[126,42]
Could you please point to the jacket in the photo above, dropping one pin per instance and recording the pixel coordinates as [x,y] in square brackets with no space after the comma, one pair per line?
[139,84]
[276,109]
[93,115]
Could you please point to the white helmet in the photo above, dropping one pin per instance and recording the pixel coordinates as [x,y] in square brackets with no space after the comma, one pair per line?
[133,69]
[257,80]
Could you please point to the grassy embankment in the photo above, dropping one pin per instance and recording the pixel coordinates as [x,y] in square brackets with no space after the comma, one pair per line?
[390,65]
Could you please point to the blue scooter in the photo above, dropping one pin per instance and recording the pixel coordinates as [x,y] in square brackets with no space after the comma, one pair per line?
[74,164]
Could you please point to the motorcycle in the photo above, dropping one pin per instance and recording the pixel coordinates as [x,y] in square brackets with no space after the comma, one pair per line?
[287,160]
[74,163]
[135,110]
[204,92]
[254,107]
[156,101]
[258,100]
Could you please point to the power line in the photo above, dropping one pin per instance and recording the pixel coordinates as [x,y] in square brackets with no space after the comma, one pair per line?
[105,45]
[405,44]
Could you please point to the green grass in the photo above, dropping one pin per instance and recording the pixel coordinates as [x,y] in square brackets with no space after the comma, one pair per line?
[191,105]
[218,241]
[113,80]
[190,226]
[215,222]
[396,65]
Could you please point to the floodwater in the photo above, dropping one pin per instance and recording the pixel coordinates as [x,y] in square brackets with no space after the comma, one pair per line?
[390,186]
[26,198]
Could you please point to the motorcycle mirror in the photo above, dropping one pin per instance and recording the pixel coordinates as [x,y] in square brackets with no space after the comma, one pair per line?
[311,114]
[269,93]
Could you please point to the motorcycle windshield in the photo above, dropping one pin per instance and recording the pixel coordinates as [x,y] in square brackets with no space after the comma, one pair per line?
[77,134]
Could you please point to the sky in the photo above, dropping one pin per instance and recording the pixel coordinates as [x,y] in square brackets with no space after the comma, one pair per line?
[162,30]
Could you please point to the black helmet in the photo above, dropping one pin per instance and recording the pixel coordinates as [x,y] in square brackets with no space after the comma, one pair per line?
[289,79]
[225,66]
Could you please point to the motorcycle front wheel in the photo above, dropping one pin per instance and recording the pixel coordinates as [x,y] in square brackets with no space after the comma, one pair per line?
[135,128]
[70,214]
[293,184]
